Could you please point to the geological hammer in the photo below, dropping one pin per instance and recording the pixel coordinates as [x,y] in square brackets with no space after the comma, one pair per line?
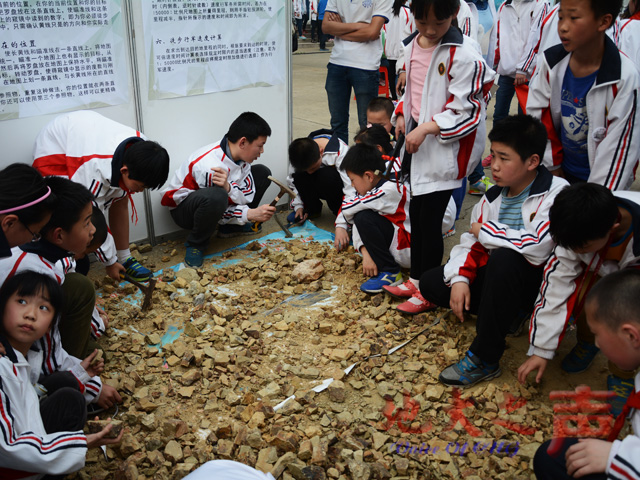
[147,290]
[283,190]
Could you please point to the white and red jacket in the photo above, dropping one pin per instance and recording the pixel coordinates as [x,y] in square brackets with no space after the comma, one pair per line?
[515,29]
[391,201]
[533,242]
[196,172]
[332,156]
[27,451]
[397,29]
[613,143]
[87,148]
[51,260]
[562,275]
[624,457]
[629,39]
[454,96]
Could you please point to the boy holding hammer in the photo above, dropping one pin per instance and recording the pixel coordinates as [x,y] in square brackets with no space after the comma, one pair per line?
[218,185]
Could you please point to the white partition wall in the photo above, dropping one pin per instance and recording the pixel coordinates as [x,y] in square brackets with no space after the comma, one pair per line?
[182,123]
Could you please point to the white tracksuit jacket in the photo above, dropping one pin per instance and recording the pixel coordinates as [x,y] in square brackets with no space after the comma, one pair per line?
[533,242]
[24,444]
[613,143]
[563,273]
[87,148]
[454,96]
[55,357]
[390,200]
[624,457]
[629,39]
[514,33]
[332,157]
[196,173]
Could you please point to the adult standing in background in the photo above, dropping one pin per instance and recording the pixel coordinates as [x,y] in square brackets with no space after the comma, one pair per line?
[322,38]
[355,58]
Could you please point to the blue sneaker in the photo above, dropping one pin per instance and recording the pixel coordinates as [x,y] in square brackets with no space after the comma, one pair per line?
[580,357]
[469,371]
[137,271]
[249,228]
[193,257]
[375,284]
[622,387]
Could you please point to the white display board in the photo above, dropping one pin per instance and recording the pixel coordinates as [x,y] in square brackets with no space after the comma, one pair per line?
[182,123]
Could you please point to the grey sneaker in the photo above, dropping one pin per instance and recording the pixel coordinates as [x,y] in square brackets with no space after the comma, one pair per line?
[469,371]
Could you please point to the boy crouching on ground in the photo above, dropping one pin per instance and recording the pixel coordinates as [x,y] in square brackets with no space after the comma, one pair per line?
[613,315]
[379,215]
[496,270]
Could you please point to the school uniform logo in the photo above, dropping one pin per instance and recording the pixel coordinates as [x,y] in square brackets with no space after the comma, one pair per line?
[367,3]
[441,68]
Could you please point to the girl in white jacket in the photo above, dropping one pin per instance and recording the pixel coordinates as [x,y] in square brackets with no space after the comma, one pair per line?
[37,437]
[443,113]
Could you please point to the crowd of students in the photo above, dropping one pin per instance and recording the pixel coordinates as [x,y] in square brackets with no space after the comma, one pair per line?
[553,241]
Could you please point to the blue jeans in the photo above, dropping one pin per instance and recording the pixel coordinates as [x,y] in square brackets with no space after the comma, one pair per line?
[340,81]
[477,173]
[506,90]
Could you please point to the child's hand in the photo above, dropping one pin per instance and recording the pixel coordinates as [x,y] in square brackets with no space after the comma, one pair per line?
[220,176]
[95,369]
[532,364]
[416,137]
[97,439]
[369,267]
[104,316]
[401,81]
[342,238]
[460,299]
[521,79]
[589,455]
[475,229]
[300,215]
[261,214]
[109,396]
[400,125]
[114,271]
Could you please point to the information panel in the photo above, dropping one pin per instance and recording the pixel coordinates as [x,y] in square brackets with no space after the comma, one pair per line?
[193,48]
[58,55]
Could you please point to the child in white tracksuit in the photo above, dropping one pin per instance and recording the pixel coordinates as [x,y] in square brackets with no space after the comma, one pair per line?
[443,113]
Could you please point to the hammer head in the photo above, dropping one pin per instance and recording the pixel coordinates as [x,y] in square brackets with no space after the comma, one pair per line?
[283,188]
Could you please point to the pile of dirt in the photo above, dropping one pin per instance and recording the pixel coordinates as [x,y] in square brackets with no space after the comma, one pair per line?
[205,372]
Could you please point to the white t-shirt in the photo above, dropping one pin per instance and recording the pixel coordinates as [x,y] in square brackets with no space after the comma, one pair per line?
[363,55]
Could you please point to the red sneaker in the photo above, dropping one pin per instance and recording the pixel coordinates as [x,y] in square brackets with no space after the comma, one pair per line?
[406,290]
[486,161]
[416,304]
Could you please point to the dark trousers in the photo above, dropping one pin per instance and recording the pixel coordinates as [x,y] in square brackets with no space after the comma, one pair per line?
[547,467]
[75,325]
[504,288]
[376,233]
[391,70]
[426,213]
[64,408]
[322,38]
[314,30]
[201,211]
[323,184]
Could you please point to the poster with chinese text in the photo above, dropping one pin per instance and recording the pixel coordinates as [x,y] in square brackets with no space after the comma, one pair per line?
[59,55]
[193,48]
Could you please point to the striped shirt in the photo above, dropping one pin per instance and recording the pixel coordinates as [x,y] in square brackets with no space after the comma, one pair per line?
[511,208]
